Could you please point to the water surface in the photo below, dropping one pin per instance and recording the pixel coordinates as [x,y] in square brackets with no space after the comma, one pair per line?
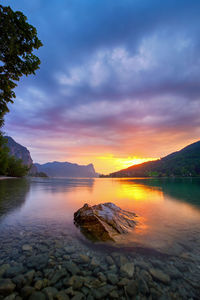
[168,210]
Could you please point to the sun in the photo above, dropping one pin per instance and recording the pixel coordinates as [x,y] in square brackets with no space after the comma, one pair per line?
[109,163]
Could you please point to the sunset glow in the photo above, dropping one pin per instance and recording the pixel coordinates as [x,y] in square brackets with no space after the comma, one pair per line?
[114,89]
[110,163]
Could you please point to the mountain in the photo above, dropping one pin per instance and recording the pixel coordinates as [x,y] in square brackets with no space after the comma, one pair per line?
[185,162]
[66,169]
[53,169]
[22,153]
[19,151]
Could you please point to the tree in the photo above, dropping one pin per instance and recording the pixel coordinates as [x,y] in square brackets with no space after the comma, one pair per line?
[4,154]
[10,165]
[16,167]
[18,39]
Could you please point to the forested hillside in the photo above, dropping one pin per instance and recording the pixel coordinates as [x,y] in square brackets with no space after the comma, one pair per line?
[185,162]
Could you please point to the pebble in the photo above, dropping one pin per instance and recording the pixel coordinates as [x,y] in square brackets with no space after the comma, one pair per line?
[38,262]
[84,258]
[11,297]
[142,264]
[72,268]
[103,291]
[6,287]
[78,296]
[173,272]
[61,296]
[57,276]
[101,276]
[159,275]
[112,278]
[37,296]
[142,286]
[76,282]
[127,269]
[29,276]
[123,282]
[109,260]
[114,295]
[27,247]
[70,249]
[132,288]
[50,292]
[94,262]
[3,269]
[19,280]
[26,291]
[13,271]
[38,285]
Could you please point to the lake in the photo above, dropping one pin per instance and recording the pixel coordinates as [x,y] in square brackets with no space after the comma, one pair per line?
[38,213]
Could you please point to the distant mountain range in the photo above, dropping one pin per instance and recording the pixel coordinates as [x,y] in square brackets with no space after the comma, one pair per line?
[185,162]
[52,169]
[66,169]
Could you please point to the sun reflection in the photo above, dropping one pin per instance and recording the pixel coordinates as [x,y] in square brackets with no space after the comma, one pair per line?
[139,192]
[161,218]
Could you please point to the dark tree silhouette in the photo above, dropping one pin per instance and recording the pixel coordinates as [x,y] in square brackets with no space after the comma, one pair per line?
[18,39]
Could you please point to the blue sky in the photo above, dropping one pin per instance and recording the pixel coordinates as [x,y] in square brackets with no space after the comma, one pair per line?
[118,79]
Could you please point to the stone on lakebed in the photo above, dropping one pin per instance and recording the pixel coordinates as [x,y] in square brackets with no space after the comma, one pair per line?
[104,222]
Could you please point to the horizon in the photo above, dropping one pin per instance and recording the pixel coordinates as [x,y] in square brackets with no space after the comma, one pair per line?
[126,167]
[118,83]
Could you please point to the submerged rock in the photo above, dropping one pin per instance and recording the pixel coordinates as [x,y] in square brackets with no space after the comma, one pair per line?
[127,269]
[6,286]
[104,222]
[27,247]
[159,275]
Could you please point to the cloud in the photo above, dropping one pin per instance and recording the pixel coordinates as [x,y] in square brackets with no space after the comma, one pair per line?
[120,76]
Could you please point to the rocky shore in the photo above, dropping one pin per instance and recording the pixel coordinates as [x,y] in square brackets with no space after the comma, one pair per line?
[49,263]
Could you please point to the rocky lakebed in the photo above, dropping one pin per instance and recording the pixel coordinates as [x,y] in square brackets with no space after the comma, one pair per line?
[50,263]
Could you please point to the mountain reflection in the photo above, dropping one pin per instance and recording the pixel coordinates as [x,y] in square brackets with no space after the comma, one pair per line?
[62,185]
[13,194]
[183,189]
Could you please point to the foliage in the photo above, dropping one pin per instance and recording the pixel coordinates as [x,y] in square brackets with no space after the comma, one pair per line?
[9,165]
[18,39]
[3,155]
[16,168]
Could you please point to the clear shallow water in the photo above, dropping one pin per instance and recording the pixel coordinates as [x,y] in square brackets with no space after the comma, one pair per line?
[41,249]
[168,210]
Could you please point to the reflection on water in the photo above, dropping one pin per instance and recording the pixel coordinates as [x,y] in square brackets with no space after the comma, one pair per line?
[183,189]
[168,209]
[13,194]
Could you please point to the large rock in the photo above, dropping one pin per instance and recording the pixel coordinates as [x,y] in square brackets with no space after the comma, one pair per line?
[104,222]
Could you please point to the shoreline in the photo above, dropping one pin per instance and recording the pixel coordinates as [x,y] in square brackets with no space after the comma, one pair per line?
[7,177]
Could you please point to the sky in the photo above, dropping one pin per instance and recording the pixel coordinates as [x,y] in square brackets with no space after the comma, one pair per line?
[119,81]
